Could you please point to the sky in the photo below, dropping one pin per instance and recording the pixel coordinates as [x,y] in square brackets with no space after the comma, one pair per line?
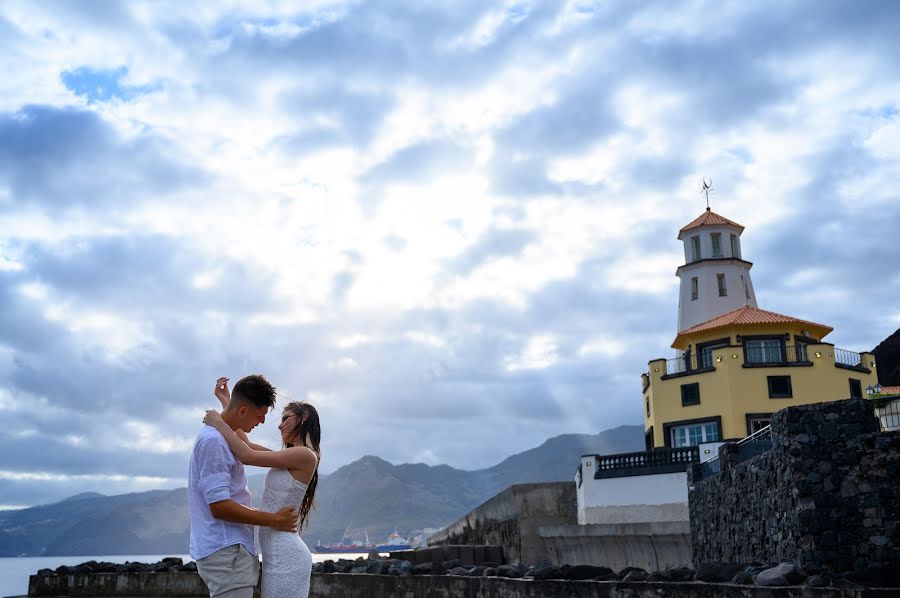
[451,226]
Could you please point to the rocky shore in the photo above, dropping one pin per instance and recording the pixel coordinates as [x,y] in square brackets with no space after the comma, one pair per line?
[782,574]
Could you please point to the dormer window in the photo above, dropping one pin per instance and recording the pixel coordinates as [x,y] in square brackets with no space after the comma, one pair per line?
[695,248]
[717,244]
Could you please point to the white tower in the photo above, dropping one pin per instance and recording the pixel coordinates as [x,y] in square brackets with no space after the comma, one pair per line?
[714,278]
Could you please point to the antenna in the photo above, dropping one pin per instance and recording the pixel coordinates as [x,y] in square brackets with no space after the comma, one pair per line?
[706,187]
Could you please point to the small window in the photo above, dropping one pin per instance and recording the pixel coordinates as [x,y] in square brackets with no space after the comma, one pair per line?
[720,278]
[780,387]
[855,389]
[695,248]
[746,290]
[763,351]
[717,244]
[735,250]
[648,406]
[690,394]
[695,289]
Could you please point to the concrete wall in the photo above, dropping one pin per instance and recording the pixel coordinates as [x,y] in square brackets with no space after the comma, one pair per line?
[512,518]
[630,499]
[650,546]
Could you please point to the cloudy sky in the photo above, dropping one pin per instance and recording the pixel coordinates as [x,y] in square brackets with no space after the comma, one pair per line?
[450,225]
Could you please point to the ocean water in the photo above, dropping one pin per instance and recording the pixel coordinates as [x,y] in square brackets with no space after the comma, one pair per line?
[14,572]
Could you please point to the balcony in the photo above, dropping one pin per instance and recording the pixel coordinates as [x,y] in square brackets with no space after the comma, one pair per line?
[850,360]
[654,461]
[688,364]
[778,355]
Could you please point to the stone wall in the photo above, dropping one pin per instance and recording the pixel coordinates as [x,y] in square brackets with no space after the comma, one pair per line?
[330,585]
[827,495]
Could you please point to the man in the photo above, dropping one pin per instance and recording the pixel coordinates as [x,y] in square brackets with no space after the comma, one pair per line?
[219,502]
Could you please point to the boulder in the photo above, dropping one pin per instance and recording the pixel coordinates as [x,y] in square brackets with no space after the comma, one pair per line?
[743,578]
[785,574]
[511,571]
[490,572]
[876,576]
[376,568]
[423,569]
[717,571]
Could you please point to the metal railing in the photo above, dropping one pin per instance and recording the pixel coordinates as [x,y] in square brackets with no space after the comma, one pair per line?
[780,354]
[848,358]
[660,460]
[688,362]
[888,414]
[756,444]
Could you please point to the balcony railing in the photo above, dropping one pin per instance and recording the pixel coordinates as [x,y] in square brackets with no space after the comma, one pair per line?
[779,355]
[756,444]
[888,413]
[847,358]
[689,362]
[660,460]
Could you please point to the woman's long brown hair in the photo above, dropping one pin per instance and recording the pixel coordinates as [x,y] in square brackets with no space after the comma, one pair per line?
[308,428]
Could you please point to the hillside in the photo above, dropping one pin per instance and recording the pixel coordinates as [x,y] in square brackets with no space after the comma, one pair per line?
[369,493]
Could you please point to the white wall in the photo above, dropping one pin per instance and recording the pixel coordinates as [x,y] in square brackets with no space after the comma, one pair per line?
[632,499]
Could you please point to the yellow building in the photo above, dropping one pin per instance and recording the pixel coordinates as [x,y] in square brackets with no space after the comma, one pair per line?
[735,369]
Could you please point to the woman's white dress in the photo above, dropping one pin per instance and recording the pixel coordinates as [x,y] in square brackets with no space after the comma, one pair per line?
[286,560]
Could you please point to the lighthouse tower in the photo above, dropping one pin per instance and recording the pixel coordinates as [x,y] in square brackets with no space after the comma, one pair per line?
[715,279]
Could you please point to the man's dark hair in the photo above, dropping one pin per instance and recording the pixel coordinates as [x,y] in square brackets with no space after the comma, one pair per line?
[254,390]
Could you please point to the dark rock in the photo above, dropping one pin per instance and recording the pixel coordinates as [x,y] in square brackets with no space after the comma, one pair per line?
[173,560]
[581,572]
[373,555]
[458,571]
[45,572]
[785,574]
[636,576]
[490,572]
[819,580]
[550,572]
[512,571]
[376,568]
[610,577]
[628,570]
[452,564]
[490,564]
[359,569]
[423,569]
[328,566]
[681,573]
[876,576]
[743,578]
[717,572]
[189,566]
[541,565]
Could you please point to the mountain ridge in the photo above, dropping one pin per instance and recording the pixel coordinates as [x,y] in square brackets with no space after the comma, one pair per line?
[369,493]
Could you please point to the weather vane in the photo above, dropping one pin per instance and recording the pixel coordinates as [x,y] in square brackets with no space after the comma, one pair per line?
[706,187]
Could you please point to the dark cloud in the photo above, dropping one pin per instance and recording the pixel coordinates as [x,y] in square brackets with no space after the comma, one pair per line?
[62,158]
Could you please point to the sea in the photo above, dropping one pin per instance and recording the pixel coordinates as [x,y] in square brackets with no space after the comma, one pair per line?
[15,571]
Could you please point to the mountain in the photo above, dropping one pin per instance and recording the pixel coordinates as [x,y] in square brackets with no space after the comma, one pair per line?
[369,493]
[887,360]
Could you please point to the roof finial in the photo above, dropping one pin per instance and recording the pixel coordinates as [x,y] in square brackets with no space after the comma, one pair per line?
[706,187]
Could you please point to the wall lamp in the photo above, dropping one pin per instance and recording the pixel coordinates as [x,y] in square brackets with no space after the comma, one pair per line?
[818,354]
[718,359]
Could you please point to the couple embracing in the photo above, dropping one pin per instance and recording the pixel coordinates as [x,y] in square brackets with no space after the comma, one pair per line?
[222,521]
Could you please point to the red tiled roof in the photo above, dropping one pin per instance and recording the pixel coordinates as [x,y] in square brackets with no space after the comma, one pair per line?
[708,218]
[890,390]
[749,316]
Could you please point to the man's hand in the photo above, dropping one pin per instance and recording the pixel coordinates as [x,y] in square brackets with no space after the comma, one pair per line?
[222,393]
[285,520]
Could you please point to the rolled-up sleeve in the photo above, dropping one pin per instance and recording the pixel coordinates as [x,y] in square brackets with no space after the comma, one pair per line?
[214,471]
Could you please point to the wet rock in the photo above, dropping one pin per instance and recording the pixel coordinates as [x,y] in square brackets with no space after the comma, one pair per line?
[423,569]
[376,568]
[490,572]
[743,578]
[511,571]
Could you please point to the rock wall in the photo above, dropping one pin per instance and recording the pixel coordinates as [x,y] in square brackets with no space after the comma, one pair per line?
[330,585]
[827,495]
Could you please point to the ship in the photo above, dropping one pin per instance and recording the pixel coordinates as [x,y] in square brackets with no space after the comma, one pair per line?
[357,541]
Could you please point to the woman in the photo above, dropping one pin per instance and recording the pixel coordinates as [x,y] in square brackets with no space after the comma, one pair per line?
[291,481]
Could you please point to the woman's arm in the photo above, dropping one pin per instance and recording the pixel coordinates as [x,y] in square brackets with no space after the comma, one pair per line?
[296,457]
[224,395]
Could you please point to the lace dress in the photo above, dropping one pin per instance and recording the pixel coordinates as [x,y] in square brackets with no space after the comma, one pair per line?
[286,560]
